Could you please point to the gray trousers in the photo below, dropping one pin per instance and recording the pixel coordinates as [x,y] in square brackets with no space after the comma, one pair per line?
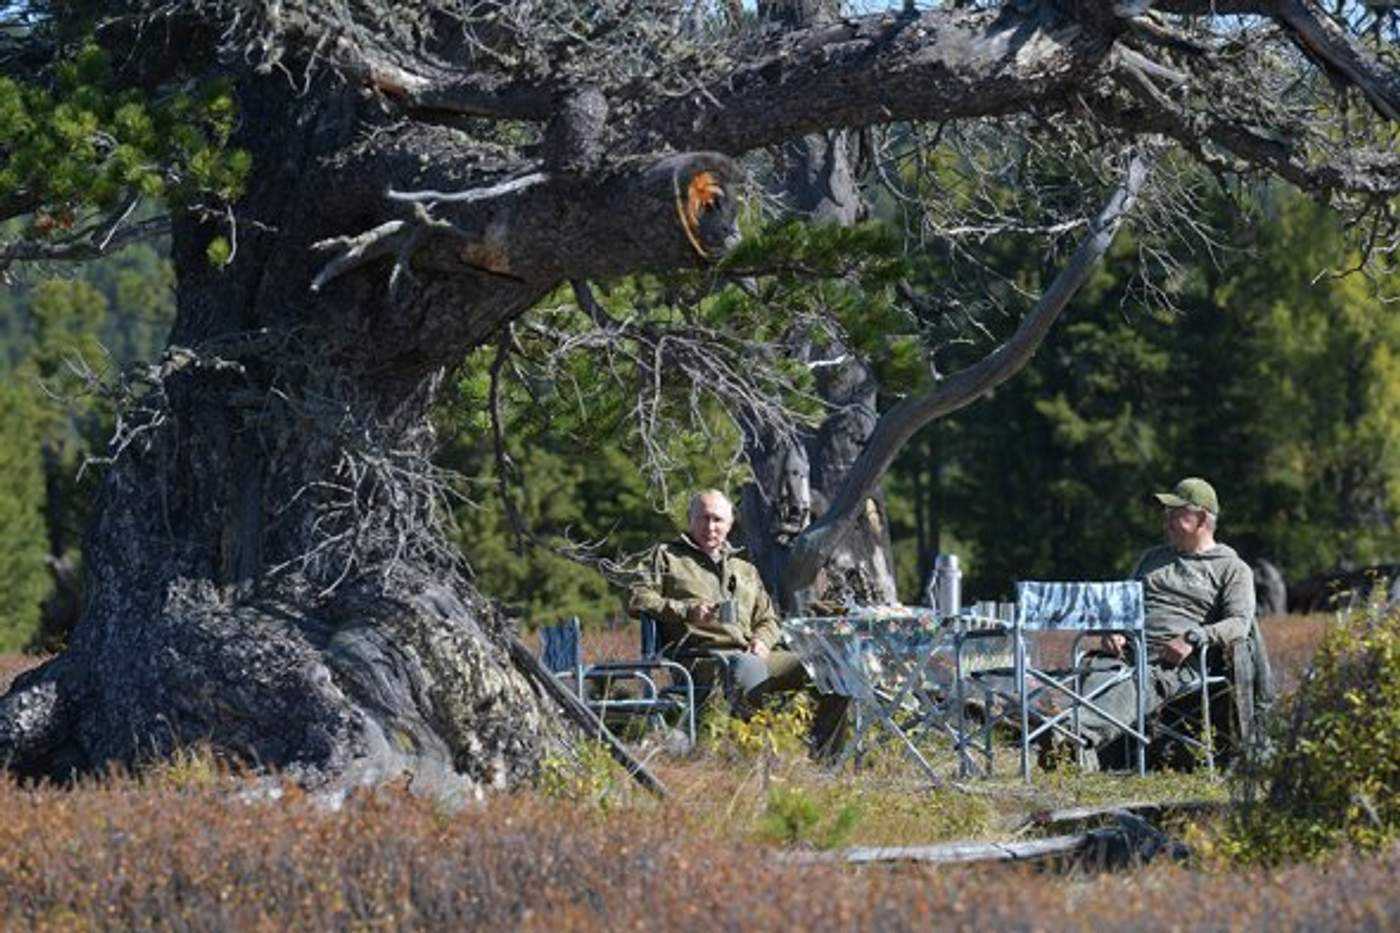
[1246,663]
[1120,700]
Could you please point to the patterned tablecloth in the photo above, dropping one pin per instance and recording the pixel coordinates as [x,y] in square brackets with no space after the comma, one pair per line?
[856,654]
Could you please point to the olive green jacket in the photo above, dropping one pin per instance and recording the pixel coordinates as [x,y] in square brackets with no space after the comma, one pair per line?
[1212,592]
[679,575]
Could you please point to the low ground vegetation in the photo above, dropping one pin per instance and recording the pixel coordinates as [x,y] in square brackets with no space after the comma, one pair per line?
[1334,776]
[192,844]
[124,853]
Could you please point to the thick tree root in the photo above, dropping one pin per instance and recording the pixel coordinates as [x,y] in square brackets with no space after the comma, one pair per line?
[37,721]
[354,693]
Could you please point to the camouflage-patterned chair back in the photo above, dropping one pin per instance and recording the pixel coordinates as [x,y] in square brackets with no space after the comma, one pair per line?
[1047,702]
[1046,606]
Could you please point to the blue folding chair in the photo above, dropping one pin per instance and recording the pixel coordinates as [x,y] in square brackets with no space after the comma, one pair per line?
[562,654]
[685,689]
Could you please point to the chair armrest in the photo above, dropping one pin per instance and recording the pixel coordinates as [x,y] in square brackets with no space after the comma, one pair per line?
[692,654]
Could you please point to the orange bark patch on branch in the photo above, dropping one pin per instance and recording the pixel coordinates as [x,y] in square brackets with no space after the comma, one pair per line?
[702,194]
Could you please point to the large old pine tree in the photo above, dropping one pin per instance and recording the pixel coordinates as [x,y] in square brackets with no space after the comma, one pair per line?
[265,570]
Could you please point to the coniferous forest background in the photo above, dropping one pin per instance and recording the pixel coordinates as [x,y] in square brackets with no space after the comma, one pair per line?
[1277,380]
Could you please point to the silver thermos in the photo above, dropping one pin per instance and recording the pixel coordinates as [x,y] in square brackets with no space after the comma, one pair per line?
[946,586]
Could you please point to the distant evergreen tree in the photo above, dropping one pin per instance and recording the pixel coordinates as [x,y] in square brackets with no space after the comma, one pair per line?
[1279,384]
[24,576]
[116,313]
[1320,372]
[1046,476]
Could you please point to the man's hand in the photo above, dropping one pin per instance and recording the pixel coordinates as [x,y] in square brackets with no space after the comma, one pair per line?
[704,614]
[1116,645]
[759,650]
[1176,651]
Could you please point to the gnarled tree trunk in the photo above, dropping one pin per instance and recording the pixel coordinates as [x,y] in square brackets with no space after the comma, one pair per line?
[266,568]
[794,481]
[264,572]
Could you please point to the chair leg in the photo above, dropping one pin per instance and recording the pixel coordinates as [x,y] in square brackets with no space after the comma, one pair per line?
[1207,731]
[1023,690]
[690,708]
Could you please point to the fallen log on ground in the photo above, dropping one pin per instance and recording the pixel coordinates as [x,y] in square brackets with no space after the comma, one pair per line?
[1041,819]
[1130,842]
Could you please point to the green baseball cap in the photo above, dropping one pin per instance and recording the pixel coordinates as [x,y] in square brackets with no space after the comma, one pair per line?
[1192,491]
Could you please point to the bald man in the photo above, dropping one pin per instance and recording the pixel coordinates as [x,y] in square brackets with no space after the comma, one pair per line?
[705,597]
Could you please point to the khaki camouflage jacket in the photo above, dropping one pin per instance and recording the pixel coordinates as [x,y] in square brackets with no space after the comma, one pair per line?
[680,575]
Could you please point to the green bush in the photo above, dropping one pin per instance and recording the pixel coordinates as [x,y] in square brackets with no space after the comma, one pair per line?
[589,776]
[1333,778]
[778,731]
[794,815]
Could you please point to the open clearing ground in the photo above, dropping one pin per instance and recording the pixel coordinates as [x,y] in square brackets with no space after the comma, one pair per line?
[176,848]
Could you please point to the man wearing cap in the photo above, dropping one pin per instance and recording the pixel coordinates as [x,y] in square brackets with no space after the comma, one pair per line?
[1197,593]
[704,596]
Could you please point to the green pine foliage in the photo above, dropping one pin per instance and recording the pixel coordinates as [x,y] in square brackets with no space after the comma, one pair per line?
[116,314]
[840,282]
[575,481]
[24,575]
[1040,478]
[74,142]
[1276,383]
[1320,372]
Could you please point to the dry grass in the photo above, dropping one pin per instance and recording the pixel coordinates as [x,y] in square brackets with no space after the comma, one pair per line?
[621,641]
[181,848]
[158,854]
[12,665]
[1292,639]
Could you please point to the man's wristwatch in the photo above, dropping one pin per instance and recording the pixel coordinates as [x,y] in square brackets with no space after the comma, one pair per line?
[1194,637]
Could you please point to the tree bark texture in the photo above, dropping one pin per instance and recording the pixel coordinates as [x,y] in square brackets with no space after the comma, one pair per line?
[794,482]
[264,573]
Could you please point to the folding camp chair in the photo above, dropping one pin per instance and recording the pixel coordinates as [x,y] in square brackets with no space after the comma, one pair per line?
[1187,717]
[1100,608]
[684,689]
[1236,680]
[562,654]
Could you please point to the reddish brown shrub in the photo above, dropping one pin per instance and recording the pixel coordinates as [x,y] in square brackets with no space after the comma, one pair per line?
[127,854]
[177,850]
[1292,642]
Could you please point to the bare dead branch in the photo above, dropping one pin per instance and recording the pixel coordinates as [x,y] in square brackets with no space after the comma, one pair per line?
[1326,43]
[355,251]
[504,465]
[881,68]
[108,238]
[901,421]
[472,195]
